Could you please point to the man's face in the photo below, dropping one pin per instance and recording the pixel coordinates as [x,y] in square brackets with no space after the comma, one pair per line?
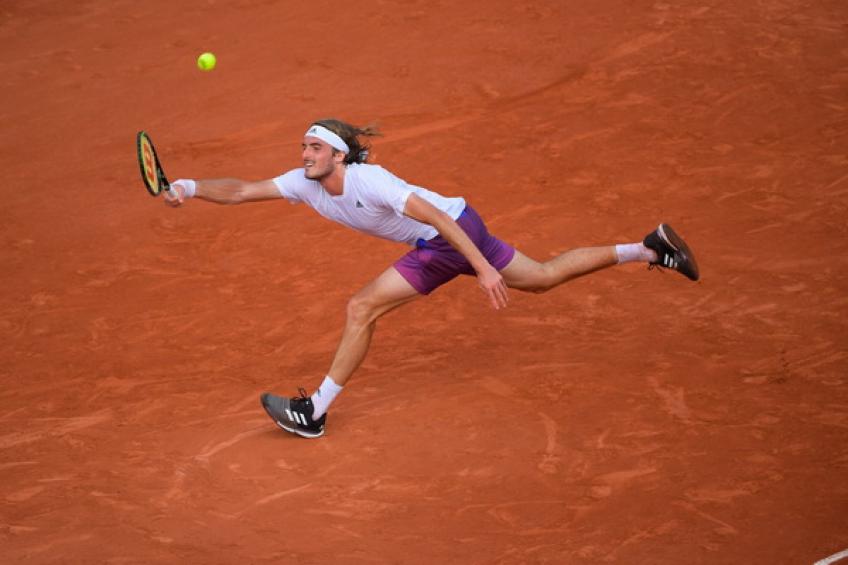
[318,158]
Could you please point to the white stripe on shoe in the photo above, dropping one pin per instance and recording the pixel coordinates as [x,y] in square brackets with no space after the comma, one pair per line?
[665,238]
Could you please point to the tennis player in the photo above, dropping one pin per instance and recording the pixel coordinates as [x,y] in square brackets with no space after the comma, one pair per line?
[447,237]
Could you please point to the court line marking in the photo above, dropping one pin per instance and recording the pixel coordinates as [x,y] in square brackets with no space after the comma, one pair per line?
[833,558]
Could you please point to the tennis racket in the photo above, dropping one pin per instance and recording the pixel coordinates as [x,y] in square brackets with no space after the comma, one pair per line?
[151,171]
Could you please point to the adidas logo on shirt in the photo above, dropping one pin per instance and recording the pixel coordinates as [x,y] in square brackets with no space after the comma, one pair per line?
[359,204]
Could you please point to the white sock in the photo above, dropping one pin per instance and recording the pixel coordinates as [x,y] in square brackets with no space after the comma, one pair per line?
[324,396]
[632,252]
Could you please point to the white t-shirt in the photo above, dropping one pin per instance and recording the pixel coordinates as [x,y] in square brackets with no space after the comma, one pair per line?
[372,202]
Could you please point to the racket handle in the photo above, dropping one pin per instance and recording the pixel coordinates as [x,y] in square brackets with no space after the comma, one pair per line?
[171,192]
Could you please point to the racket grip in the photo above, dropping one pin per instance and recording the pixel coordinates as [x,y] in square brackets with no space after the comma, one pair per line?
[171,192]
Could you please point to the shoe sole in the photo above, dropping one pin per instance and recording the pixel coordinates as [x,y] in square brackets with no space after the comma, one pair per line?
[676,242]
[282,426]
[296,431]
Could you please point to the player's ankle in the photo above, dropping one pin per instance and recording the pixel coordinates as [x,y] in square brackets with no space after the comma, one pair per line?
[635,252]
[324,396]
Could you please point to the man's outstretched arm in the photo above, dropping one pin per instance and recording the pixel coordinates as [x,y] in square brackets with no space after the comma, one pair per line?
[223,191]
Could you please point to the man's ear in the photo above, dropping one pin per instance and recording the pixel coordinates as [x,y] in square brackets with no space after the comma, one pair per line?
[339,156]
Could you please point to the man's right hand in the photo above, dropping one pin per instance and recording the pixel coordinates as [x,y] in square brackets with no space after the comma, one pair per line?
[180,198]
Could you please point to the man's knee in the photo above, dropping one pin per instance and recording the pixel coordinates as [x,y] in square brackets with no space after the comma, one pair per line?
[541,280]
[361,310]
[528,275]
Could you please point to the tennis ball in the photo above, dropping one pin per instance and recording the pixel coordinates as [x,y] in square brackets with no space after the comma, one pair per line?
[206,61]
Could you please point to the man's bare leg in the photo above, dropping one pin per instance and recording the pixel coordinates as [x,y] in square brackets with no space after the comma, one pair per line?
[524,273]
[305,415]
[662,247]
[382,295]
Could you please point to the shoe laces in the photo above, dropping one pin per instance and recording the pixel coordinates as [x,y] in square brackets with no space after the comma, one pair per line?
[307,408]
[303,397]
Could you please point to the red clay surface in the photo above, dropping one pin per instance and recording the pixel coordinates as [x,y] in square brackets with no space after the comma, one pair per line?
[629,417]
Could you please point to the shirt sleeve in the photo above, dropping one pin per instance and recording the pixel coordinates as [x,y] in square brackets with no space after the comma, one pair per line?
[290,185]
[386,190]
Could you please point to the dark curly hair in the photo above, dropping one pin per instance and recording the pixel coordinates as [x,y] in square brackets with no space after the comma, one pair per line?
[350,134]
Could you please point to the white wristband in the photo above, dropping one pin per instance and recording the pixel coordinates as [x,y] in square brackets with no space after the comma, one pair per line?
[189,187]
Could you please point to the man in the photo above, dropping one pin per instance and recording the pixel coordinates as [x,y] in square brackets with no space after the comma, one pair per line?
[447,236]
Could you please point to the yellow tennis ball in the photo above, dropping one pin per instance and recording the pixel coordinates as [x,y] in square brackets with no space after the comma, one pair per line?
[206,61]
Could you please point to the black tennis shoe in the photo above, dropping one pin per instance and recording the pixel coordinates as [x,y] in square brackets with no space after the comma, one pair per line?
[294,414]
[672,252]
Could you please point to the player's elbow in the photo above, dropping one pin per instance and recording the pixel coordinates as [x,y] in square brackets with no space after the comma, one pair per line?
[236,197]
[241,193]
[247,191]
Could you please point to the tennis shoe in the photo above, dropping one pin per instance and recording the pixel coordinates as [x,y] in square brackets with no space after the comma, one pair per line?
[672,252]
[294,414]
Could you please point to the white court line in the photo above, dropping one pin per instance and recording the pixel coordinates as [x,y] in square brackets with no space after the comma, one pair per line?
[833,558]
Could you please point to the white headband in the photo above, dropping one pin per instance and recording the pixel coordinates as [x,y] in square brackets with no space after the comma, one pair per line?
[327,136]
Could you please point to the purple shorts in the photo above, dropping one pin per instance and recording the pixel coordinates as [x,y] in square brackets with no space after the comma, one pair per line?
[434,262]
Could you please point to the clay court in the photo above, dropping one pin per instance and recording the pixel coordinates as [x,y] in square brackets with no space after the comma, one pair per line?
[628,417]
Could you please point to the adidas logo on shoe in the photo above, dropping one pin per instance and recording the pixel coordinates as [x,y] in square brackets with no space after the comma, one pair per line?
[294,415]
